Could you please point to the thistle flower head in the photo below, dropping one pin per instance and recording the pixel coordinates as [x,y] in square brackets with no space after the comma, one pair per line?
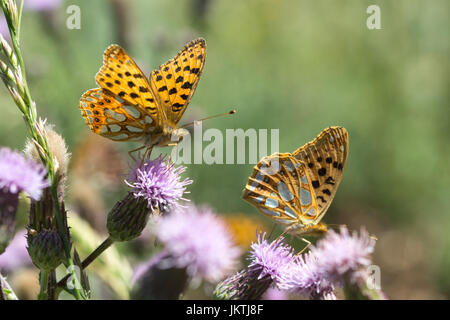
[339,254]
[270,258]
[199,241]
[268,262]
[335,259]
[18,173]
[305,278]
[158,182]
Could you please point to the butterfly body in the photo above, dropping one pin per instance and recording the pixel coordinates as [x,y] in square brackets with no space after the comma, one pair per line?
[295,190]
[130,107]
[164,136]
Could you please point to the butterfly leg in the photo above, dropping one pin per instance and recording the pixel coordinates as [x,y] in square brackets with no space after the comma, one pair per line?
[134,150]
[147,154]
[279,237]
[176,152]
[308,243]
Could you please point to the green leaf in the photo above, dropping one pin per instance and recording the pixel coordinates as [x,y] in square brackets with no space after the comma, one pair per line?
[83,276]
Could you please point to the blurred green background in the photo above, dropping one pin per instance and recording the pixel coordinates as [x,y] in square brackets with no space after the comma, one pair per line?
[297,66]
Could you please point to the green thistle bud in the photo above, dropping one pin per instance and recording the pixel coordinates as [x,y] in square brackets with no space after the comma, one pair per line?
[45,248]
[128,218]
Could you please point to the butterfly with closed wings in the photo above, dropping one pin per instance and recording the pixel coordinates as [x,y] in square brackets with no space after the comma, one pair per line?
[295,190]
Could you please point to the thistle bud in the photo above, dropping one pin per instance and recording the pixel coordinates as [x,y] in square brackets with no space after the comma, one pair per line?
[46,249]
[128,218]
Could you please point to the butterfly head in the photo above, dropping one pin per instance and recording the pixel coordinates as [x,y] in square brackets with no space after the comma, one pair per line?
[315,230]
[167,135]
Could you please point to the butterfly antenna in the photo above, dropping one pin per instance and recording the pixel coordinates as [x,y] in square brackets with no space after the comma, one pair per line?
[208,118]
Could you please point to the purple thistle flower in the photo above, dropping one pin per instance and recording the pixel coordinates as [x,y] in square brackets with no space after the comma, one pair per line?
[270,259]
[305,278]
[198,240]
[18,173]
[268,262]
[342,254]
[339,259]
[157,182]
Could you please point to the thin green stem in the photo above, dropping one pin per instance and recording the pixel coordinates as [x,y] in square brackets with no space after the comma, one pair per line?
[43,281]
[30,114]
[86,262]
[97,252]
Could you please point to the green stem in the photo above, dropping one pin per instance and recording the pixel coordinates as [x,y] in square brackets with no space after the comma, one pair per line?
[94,255]
[30,116]
[66,241]
[86,262]
[43,281]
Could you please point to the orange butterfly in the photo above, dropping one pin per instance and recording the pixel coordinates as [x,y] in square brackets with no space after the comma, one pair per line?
[295,190]
[127,106]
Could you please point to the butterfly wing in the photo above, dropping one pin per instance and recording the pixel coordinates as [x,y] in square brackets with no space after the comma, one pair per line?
[121,76]
[108,115]
[124,108]
[325,158]
[279,188]
[175,81]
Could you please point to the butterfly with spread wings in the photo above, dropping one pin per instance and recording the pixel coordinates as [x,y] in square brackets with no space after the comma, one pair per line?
[127,106]
[295,190]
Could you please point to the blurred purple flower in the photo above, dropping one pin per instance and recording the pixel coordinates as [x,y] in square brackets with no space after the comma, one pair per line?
[198,240]
[18,173]
[158,182]
[305,278]
[16,254]
[268,262]
[273,293]
[336,259]
[42,5]
[342,254]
